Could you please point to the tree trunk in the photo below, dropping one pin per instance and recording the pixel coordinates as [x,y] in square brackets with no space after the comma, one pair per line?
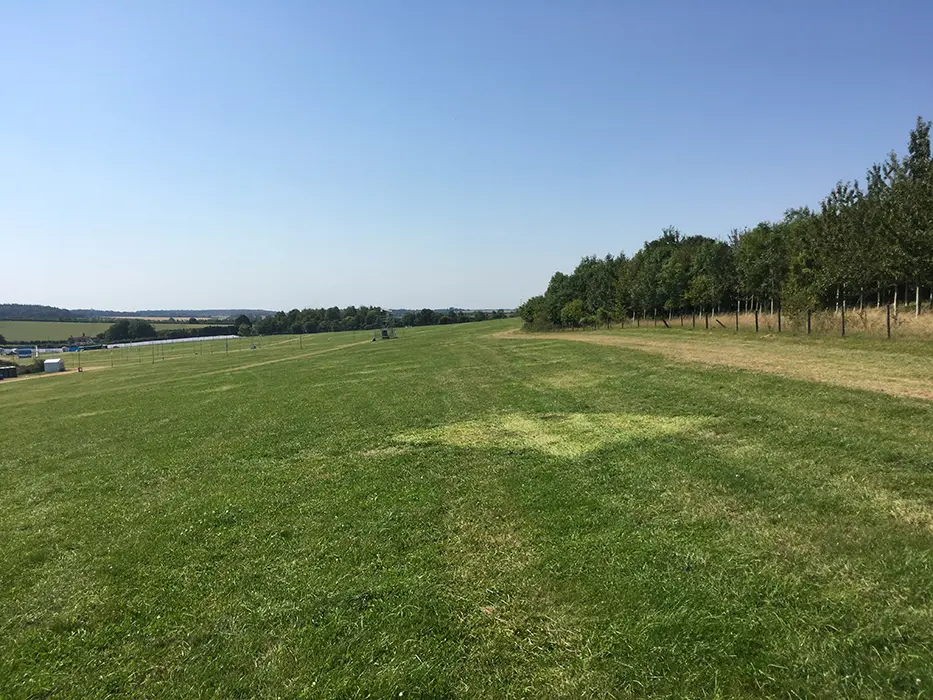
[772,306]
[878,301]
[861,299]
[917,301]
[895,302]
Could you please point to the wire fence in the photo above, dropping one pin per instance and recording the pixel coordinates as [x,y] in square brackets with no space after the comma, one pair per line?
[884,321]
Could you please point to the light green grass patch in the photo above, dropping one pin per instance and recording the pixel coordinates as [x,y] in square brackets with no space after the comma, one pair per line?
[555,434]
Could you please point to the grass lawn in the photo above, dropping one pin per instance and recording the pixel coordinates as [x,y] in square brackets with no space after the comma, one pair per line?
[16,331]
[467,512]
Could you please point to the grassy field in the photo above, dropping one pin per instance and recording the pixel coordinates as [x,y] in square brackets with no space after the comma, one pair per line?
[15,331]
[469,512]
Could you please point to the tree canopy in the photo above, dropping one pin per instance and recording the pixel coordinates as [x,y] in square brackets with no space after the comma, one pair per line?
[872,239]
[130,329]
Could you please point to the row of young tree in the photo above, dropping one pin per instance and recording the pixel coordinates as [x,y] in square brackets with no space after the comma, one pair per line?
[354,318]
[869,243]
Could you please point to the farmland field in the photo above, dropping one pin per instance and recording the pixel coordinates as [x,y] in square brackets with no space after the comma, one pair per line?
[15,331]
[469,511]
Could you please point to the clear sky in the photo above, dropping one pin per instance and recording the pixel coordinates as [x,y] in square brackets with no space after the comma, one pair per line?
[413,153]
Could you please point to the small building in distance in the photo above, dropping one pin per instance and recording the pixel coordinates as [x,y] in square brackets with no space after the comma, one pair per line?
[56,365]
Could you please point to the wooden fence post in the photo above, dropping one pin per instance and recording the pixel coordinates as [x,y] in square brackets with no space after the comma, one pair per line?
[706,315]
[779,318]
[756,319]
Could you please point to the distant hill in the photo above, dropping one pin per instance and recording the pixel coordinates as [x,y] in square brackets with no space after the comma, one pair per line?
[39,312]
[176,313]
[34,312]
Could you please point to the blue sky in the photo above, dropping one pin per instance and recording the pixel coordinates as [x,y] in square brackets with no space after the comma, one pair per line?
[420,153]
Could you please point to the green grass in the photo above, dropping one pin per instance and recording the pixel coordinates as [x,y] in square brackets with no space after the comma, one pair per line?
[15,331]
[454,514]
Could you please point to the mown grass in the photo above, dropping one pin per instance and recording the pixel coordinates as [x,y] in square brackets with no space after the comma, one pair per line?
[456,514]
[24,331]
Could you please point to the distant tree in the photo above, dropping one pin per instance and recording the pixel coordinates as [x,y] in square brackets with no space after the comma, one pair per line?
[602,317]
[264,326]
[572,313]
[559,293]
[192,320]
[534,312]
[129,329]
[118,331]
[2,340]
[243,320]
[426,317]
[140,328]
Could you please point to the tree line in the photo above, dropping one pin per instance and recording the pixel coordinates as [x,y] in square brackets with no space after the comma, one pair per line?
[140,329]
[353,318]
[296,322]
[870,242]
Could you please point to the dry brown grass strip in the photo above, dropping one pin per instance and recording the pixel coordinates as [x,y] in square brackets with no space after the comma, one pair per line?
[853,368]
